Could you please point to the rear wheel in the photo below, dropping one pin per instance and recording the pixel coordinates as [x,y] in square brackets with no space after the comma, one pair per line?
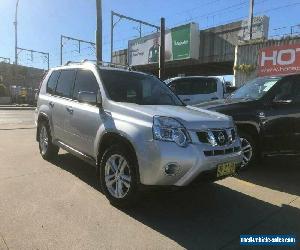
[118,176]
[248,150]
[47,149]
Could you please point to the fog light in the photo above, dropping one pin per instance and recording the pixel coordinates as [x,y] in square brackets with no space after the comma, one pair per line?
[171,169]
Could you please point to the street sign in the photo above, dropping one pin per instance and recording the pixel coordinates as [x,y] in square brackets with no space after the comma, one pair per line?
[279,60]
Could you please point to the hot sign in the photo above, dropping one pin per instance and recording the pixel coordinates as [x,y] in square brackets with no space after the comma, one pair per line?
[280,60]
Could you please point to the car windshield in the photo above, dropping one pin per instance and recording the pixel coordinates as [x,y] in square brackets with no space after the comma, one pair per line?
[255,89]
[132,87]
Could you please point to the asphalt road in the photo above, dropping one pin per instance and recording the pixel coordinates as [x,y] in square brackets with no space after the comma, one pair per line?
[57,205]
[16,119]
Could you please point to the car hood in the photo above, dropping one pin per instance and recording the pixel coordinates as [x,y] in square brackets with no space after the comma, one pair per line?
[220,103]
[191,117]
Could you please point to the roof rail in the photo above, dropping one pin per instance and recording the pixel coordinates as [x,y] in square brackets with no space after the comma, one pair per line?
[101,63]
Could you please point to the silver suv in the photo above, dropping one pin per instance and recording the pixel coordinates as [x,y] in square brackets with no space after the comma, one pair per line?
[133,129]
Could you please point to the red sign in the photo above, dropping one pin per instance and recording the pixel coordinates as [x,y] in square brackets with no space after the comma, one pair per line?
[280,60]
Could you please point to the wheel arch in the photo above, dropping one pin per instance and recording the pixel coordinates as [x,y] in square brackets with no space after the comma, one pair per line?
[110,138]
[251,130]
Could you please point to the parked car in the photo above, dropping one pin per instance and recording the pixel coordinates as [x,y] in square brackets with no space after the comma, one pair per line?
[195,89]
[267,114]
[133,129]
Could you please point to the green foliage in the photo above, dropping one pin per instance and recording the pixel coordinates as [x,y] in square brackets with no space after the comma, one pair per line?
[245,68]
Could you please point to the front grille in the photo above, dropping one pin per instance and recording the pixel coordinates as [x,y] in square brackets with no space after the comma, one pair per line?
[217,137]
[221,137]
[222,151]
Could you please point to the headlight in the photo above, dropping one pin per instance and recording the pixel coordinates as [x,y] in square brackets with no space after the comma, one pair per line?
[169,129]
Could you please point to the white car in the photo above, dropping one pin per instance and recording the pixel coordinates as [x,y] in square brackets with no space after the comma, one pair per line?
[196,89]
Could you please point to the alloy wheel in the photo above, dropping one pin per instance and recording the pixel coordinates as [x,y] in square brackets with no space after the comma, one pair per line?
[44,140]
[117,176]
[247,152]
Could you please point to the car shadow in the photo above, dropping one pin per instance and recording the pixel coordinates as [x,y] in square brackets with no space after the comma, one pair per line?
[278,173]
[210,216]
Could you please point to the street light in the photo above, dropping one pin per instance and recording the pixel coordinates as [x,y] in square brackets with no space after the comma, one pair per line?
[16,33]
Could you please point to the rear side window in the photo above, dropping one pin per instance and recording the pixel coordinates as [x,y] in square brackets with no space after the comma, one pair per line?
[51,84]
[65,83]
[85,81]
[195,86]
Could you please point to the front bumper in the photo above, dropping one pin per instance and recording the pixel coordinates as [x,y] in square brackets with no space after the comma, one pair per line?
[192,161]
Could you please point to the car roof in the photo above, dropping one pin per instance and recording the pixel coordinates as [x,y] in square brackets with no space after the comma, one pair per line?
[168,81]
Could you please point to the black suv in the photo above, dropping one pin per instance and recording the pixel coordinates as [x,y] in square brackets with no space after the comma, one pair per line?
[267,114]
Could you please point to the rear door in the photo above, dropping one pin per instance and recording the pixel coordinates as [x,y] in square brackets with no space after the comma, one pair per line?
[85,119]
[50,98]
[61,109]
[281,117]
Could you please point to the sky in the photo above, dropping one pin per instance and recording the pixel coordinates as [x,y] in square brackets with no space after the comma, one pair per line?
[41,22]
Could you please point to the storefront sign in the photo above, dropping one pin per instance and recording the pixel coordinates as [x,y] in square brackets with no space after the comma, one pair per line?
[280,60]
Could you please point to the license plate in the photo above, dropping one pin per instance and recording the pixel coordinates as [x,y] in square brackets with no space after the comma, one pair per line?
[225,169]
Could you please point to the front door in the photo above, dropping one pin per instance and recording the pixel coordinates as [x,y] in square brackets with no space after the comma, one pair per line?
[279,119]
[86,118]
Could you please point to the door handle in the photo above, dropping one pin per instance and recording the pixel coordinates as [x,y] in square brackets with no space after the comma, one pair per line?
[186,100]
[70,110]
[214,98]
[51,104]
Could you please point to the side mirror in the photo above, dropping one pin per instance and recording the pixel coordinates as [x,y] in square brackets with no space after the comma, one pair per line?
[88,97]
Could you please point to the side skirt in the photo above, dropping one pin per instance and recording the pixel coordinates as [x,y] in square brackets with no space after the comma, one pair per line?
[88,159]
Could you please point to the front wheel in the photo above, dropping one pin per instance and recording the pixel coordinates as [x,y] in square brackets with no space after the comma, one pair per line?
[248,150]
[118,176]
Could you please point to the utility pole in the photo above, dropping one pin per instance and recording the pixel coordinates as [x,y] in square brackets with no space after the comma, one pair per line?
[61,49]
[99,30]
[112,25]
[16,33]
[162,49]
[250,22]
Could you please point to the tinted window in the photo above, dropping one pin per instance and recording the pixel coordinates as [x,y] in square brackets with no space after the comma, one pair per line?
[51,84]
[65,83]
[85,81]
[137,88]
[195,86]
[289,89]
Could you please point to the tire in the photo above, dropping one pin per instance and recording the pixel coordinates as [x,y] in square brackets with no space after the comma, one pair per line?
[48,150]
[118,176]
[249,150]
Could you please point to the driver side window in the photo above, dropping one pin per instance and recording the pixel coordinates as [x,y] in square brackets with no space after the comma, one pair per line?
[284,91]
[289,90]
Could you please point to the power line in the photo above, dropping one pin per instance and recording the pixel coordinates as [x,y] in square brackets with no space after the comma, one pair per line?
[78,41]
[44,55]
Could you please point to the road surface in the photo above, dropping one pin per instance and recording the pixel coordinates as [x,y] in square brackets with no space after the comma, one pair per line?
[16,119]
[58,206]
